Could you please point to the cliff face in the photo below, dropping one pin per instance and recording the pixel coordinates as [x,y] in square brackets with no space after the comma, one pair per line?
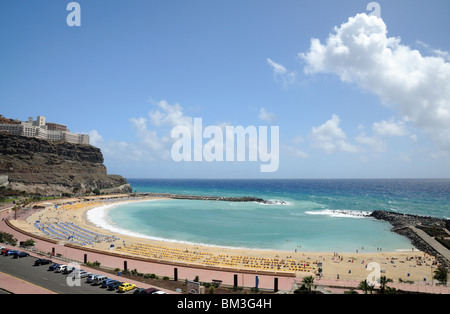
[40,166]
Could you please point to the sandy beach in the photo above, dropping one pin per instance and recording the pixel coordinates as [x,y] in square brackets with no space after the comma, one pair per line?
[410,265]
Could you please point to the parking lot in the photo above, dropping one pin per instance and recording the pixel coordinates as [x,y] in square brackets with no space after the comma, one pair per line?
[24,269]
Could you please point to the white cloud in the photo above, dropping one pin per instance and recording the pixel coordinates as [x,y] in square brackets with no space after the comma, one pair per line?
[267,116]
[95,138]
[148,145]
[436,52]
[153,141]
[382,129]
[115,150]
[376,143]
[171,115]
[360,52]
[149,138]
[390,128]
[281,74]
[329,137]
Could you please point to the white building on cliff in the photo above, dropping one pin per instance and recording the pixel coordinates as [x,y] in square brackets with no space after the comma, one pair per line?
[43,130]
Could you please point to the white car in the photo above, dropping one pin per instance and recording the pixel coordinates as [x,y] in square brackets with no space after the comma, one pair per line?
[60,269]
[91,277]
[77,274]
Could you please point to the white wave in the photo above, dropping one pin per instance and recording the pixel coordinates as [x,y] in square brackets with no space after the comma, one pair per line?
[340,213]
[275,202]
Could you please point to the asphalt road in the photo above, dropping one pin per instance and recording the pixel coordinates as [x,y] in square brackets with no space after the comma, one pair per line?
[24,268]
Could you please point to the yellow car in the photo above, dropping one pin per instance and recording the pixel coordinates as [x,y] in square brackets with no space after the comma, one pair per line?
[126,287]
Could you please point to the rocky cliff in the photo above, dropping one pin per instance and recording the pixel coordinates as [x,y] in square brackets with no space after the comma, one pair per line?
[39,166]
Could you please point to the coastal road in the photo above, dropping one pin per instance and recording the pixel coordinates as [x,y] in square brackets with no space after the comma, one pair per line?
[432,242]
[22,268]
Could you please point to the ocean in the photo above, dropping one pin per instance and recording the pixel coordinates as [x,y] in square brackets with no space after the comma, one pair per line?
[305,215]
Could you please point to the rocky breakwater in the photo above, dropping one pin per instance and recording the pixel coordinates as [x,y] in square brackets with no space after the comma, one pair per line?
[398,220]
[40,166]
[404,224]
[214,198]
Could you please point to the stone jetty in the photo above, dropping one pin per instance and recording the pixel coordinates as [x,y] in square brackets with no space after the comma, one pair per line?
[212,198]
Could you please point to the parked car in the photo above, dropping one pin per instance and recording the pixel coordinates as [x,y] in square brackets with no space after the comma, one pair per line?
[10,252]
[159,292]
[2,248]
[91,277]
[54,266]
[77,274]
[60,268]
[114,285]
[145,291]
[126,287]
[105,283]
[99,280]
[42,261]
[20,254]
[68,270]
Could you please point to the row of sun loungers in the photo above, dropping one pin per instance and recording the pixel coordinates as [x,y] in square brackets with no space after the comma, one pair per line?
[221,260]
[68,231]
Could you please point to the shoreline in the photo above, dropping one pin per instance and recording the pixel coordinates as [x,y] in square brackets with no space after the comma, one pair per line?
[408,265]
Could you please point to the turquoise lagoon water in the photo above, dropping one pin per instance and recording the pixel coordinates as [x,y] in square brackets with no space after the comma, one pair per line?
[316,215]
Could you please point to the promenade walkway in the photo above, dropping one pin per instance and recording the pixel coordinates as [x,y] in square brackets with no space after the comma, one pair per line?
[432,242]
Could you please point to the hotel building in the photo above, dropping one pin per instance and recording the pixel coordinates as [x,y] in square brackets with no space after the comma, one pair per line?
[43,130]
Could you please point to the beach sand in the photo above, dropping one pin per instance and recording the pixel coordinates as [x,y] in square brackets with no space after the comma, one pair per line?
[408,265]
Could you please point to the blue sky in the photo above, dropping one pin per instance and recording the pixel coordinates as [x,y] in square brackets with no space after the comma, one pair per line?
[353,95]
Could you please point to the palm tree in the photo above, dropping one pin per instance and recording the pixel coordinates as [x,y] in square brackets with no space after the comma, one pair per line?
[15,209]
[441,274]
[365,286]
[383,282]
[308,282]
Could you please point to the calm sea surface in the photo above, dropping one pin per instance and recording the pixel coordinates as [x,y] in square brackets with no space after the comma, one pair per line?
[318,215]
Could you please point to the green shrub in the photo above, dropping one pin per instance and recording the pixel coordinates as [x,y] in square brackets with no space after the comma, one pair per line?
[7,237]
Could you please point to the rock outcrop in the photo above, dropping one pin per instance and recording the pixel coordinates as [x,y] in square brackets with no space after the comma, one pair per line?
[398,220]
[40,166]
